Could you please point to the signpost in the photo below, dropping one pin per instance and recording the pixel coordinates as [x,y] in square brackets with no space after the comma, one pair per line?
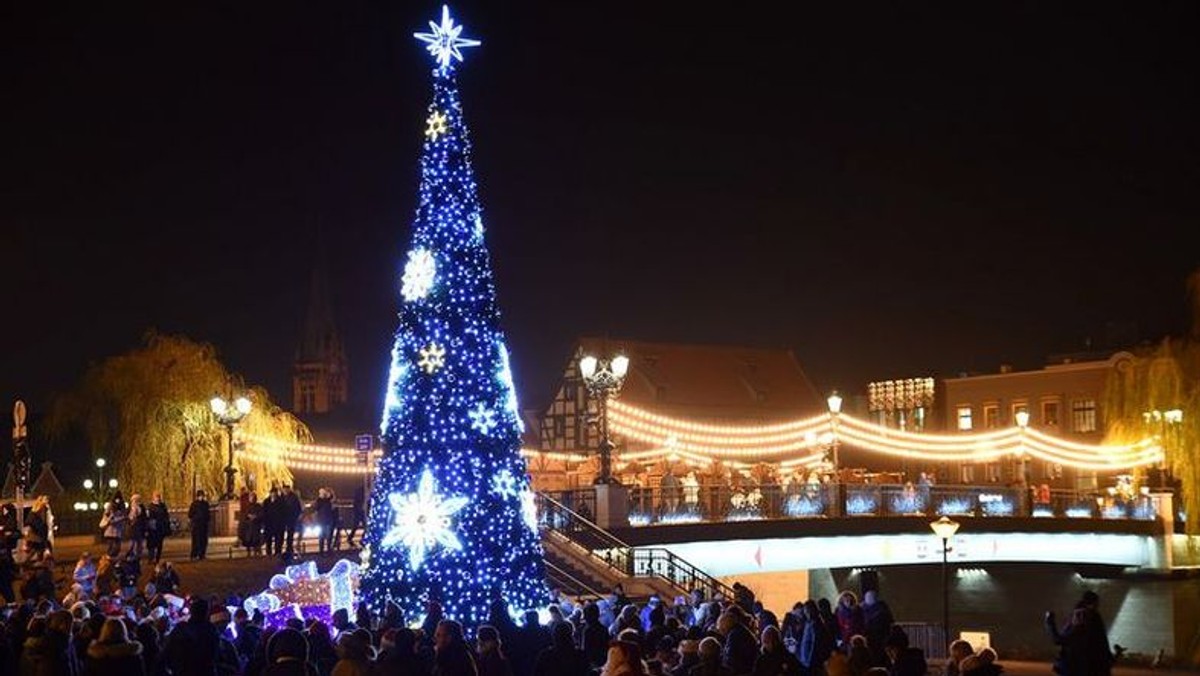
[363,445]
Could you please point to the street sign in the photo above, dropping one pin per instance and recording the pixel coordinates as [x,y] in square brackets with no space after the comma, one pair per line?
[364,442]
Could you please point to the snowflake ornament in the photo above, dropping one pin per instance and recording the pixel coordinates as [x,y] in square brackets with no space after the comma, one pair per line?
[433,357]
[504,484]
[422,521]
[444,41]
[529,510]
[435,125]
[483,419]
[419,272]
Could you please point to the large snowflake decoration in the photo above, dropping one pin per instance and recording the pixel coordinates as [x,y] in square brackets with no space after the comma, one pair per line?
[433,357]
[435,125]
[419,272]
[422,521]
[529,510]
[504,484]
[444,41]
[483,419]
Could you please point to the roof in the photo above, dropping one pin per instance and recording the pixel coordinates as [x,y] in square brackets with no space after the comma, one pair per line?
[711,381]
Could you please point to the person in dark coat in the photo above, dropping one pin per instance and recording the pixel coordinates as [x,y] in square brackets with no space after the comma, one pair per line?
[287,655]
[595,637]
[9,537]
[490,658]
[166,580]
[710,660]
[531,639]
[775,660]
[904,660]
[816,642]
[878,619]
[273,522]
[199,517]
[740,650]
[398,656]
[323,509]
[562,658]
[251,527]
[292,509]
[193,646]
[452,656]
[158,526]
[47,650]
[113,654]
[1078,644]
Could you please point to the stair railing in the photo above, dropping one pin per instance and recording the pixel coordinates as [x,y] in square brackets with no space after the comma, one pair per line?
[608,549]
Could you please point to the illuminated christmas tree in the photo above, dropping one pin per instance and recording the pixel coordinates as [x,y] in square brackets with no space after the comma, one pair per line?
[452,514]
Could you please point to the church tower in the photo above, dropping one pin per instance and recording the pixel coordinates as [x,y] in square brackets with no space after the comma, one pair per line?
[319,374]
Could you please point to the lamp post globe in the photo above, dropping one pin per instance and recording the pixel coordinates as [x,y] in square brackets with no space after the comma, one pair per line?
[945,528]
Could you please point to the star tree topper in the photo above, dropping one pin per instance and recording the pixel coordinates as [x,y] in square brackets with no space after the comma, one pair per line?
[444,42]
[422,521]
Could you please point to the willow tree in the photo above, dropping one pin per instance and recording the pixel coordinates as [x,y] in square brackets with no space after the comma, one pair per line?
[1157,394]
[147,412]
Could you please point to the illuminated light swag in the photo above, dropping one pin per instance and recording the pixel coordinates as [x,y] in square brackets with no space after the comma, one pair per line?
[438,529]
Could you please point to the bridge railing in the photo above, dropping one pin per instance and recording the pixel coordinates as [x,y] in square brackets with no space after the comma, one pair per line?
[720,503]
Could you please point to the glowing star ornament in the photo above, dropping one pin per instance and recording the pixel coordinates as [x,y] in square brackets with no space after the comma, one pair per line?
[504,484]
[435,125]
[444,41]
[483,419]
[433,357]
[419,273]
[422,521]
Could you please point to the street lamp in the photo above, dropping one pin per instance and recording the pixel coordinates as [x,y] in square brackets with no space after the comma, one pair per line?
[229,416]
[945,528]
[835,411]
[604,381]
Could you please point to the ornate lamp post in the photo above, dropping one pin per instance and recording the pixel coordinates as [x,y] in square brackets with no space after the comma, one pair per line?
[1022,418]
[604,381]
[229,416]
[945,528]
[835,411]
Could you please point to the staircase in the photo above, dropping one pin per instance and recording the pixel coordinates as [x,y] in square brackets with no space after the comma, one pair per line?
[595,560]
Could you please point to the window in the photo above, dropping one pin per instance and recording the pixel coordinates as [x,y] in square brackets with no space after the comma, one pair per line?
[1018,407]
[966,474]
[308,396]
[1050,413]
[964,418]
[919,419]
[1083,415]
[991,416]
[993,470]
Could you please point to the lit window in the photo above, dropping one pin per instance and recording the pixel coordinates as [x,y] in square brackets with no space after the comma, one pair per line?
[1050,413]
[1083,415]
[991,416]
[1020,407]
[964,418]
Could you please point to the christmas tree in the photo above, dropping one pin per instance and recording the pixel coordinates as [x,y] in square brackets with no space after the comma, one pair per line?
[452,516]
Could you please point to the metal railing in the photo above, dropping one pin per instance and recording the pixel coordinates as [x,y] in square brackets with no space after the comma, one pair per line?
[723,503]
[567,582]
[606,548]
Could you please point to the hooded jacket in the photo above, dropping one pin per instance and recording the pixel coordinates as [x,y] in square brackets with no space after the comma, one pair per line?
[115,659]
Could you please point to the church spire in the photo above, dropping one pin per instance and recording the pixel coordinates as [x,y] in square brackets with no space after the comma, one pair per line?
[319,382]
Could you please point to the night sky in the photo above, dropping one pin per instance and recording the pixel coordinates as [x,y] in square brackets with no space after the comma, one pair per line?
[889,190]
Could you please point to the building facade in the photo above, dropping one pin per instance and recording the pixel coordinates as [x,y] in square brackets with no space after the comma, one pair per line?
[1065,398]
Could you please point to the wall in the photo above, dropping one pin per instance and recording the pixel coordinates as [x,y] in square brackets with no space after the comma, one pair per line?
[1010,600]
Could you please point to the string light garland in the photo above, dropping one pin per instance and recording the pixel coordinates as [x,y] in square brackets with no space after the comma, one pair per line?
[437,529]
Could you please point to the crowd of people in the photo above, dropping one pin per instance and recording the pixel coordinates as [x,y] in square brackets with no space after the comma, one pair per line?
[99,630]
